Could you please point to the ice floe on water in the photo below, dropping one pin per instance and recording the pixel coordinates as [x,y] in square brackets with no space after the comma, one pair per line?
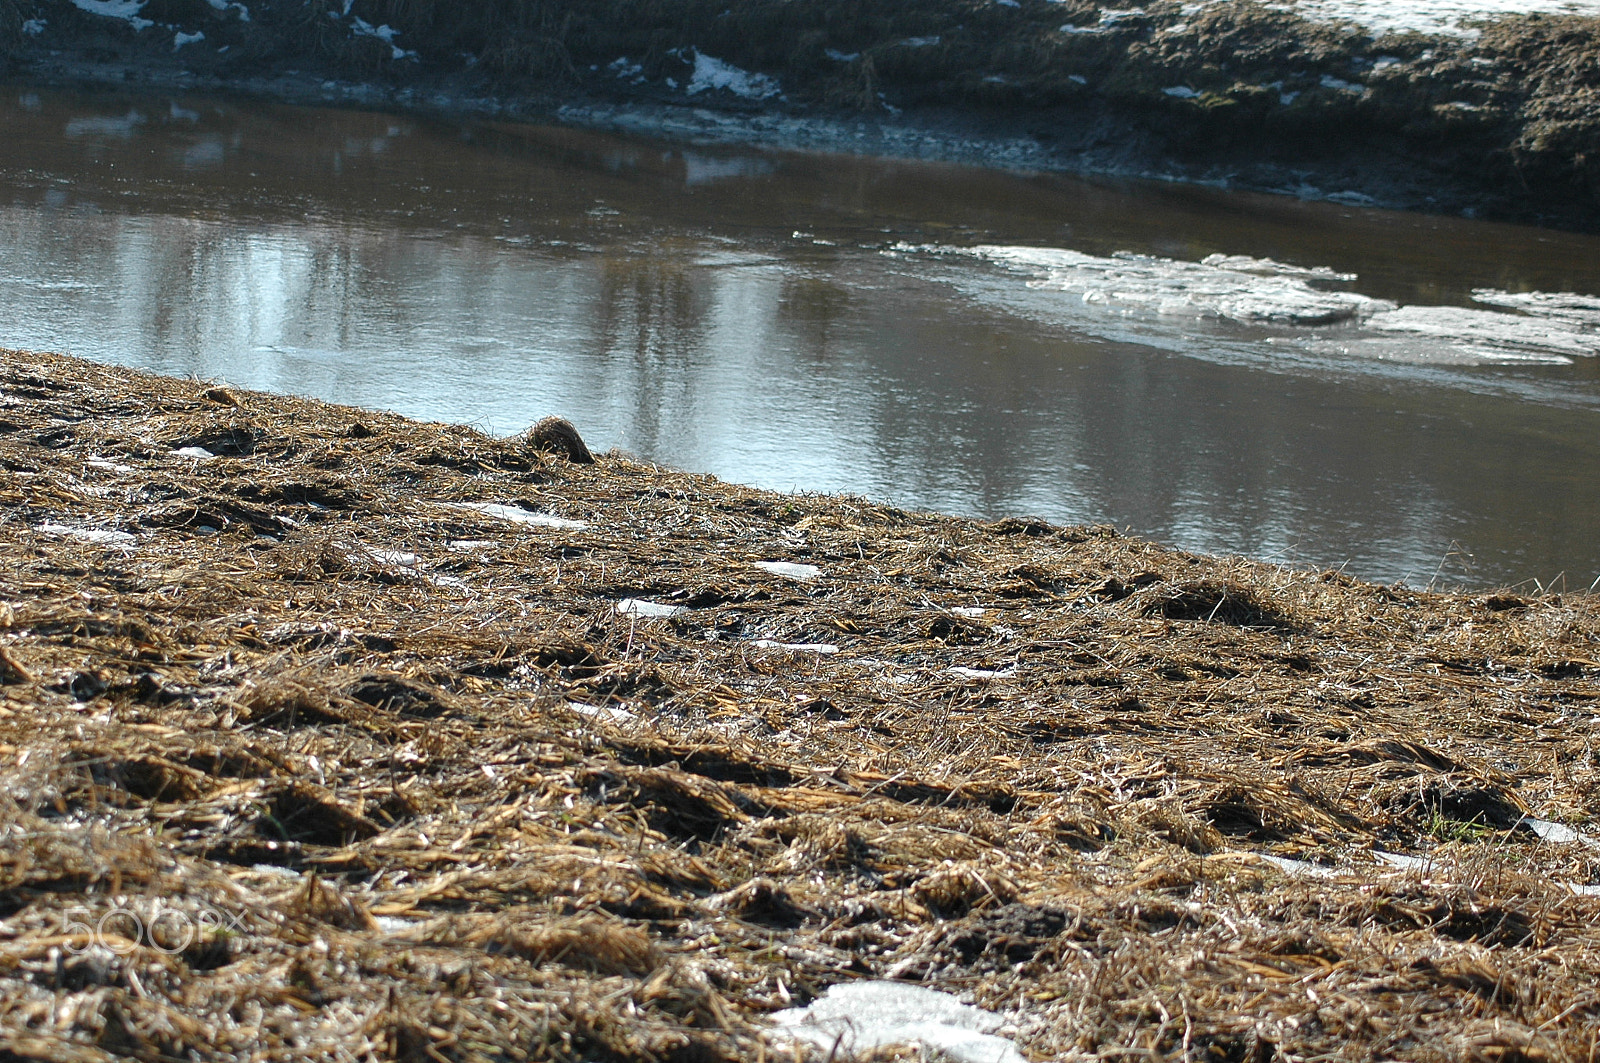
[855,1017]
[1236,288]
[1514,337]
[1287,308]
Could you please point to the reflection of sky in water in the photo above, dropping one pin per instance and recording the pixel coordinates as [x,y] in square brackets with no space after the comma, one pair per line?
[654,312]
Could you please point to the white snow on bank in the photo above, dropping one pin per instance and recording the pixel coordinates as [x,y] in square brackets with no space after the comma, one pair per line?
[790,569]
[360,27]
[855,1017]
[712,73]
[224,5]
[1423,16]
[98,536]
[823,648]
[126,10]
[645,608]
[518,515]
[1303,307]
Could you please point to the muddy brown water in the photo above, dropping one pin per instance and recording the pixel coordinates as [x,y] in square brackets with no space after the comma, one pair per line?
[757,314]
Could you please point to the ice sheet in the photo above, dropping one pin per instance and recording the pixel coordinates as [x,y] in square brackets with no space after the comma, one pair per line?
[1540,338]
[1236,288]
[1301,306]
[857,1016]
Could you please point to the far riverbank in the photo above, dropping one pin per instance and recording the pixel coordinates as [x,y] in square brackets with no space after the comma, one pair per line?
[1494,123]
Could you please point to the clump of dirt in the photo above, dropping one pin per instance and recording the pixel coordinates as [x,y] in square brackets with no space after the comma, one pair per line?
[511,757]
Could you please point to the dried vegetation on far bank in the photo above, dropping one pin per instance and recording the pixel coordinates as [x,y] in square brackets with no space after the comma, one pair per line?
[468,752]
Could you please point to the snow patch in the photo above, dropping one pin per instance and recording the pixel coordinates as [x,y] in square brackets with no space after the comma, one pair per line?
[1558,833]
[360,27]
[402,558]
[518,515]
[1180,92]
[602,712]
[712,73]
[180,39]
[641,607]
[855,1017]
[791,569]
[33,27]
[1298,867]
[823,648]
[982,673]
[1340,85]
[198,453]
[126,10]
[629,71]
[224,6]
[1432,16]
[100,536]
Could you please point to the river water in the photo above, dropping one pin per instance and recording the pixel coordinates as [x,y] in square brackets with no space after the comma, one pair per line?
[1409,398]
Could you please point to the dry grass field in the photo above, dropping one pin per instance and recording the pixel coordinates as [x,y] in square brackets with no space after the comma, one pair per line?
[365,739]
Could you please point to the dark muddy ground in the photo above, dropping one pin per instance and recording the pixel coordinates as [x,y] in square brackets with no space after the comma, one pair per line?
[1503,125]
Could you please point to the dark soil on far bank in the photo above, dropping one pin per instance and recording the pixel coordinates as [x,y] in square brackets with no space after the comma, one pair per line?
[330,735]
[1502,125]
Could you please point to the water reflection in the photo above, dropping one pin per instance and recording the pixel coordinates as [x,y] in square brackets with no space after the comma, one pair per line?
[732,311]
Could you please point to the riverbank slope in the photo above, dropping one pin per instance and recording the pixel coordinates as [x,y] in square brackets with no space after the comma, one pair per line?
[1500,123]
[327,734]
